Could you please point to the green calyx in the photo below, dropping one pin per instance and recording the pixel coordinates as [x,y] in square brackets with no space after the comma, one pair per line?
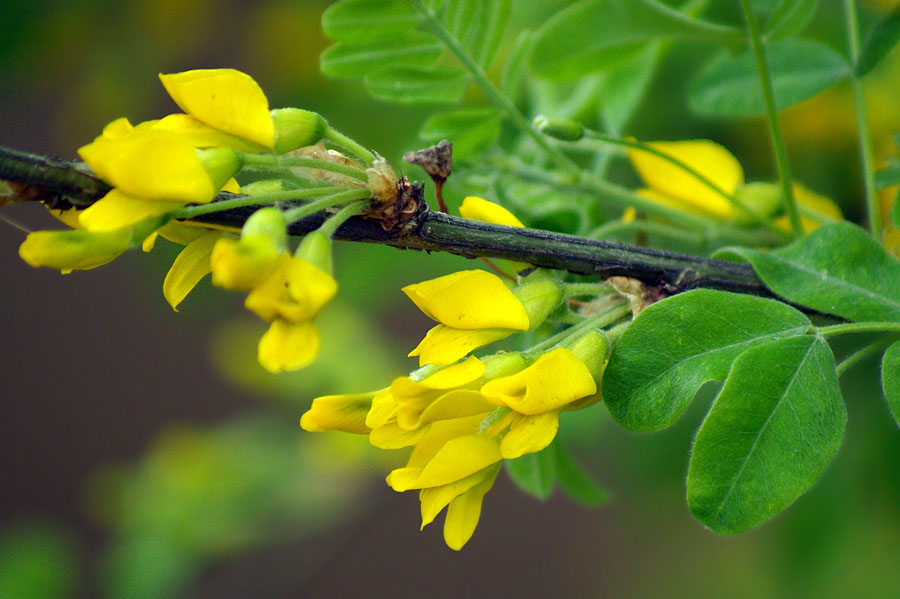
[297,128]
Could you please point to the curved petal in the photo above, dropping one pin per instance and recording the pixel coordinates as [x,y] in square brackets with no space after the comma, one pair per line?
[338,412]
[459,458]
[707,158]
[116,210]
[384,408]
[391,436]
[445,345]
[191,265]
[242,264]
[530,434]
[287,346]
[226,99]
[310,286]
[436,499]
[201,135]
[438,435]
[476,208]
[464,512]
[469,299]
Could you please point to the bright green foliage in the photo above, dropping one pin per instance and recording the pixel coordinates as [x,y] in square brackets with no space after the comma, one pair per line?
[516,66]
[357,60]
[880,40]
[471,130]
[890,379]
[729,85]
[478,25]
[889,175]
[838,269]
[790,17]
[418,85]
[772,431]
[895,211]
[598,35]
[361,21]
[680,343]
[37,561]
[538,474]
[626,86]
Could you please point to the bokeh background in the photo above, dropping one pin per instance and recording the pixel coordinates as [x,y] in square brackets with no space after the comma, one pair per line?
[145,454]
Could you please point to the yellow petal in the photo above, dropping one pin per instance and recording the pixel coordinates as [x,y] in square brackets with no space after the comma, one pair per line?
[69,217]
[226,99]
[288,346]
[200,135]
[464,512]
[148,244]
[309,286]
[338,412]
[117,128]
[452,377]
[117,210]
[391,436]
[445,345]
[384,408]
[455,404]
[469,299]
[232,186]
[459,458]
[438,435]
[191,265]
[476,208]
[151,164]
[554,380]
[436,499]
[241,264]
[707,158]
[529,434]
[181,234]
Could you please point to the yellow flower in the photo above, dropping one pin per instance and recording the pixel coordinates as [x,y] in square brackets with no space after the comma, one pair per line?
[339,413]
[671,185]
[476,208]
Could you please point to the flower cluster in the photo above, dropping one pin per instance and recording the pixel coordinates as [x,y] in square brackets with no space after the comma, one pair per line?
[463,415]
[173,168]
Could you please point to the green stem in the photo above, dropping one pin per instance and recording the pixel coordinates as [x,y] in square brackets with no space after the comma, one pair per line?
[598,321]
[862,354]
[254,200]
[862,123]
[491,91]
[295,214]
[729,197]
[781,157]
[331,225]
[859,327]
[573,289]
[355,148]
[270,161]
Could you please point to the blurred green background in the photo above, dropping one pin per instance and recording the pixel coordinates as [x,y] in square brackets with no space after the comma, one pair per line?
[144,453]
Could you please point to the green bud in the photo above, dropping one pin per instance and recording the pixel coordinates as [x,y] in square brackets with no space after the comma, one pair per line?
[297,128]
[265,186]
[502,364]
[221,164]
[564,129]
[316,249]
[763,199]
[540,293]
[591,348]
[267,222]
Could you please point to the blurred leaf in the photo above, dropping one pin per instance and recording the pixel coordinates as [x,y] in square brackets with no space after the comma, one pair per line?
[626,86]
[837,269]
[770,434]
[895,210]
[675,346]
[470,130]
[729,85]
[880,40]
[888,176]
[790,17]
[516,66]
[479,26]
[596,35]
[146,567]
[358,60]
[890,379]
[361,21]
[575,482]
[37,561]
[534,473]
[418,85]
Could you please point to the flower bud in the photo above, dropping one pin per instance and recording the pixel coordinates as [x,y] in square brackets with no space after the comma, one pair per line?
[268,222]
[763,199]
[296,128]
[221,164]
[591,348]
[540,293]
[316,249]
[502,364]
[562,129]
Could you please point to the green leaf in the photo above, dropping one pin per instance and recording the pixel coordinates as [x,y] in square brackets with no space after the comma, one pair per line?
[895,210]
[597,35]
[575,483]
[418,85]
[729,85]
[790,17]
[888,176]
[770,434]
[470,130]
[478,25]
[516,65]
[535,473]
[680,343]
[881,39]
[837,269]
[890,379]
[626,86]
[361,21]
[358,60]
